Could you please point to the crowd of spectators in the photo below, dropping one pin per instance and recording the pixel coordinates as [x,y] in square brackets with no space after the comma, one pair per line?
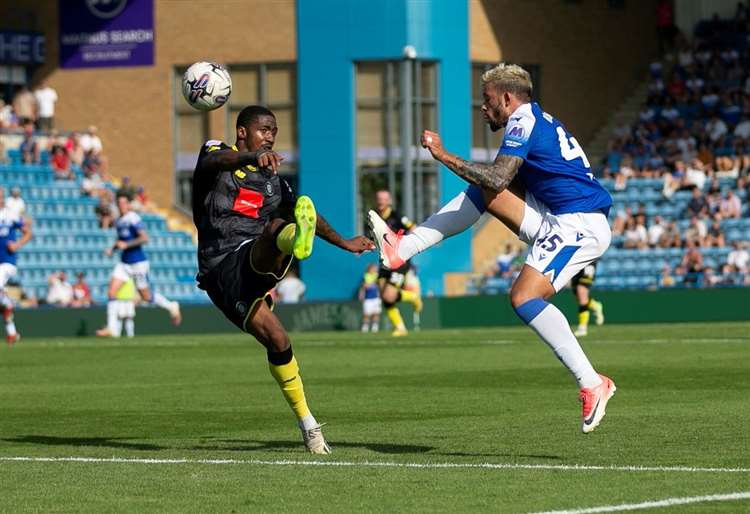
[61,293]
[693,131]
[35,108]
[696,121]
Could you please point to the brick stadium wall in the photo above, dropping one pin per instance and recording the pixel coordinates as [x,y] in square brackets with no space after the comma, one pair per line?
[132,107]
[581,82]
[591,55]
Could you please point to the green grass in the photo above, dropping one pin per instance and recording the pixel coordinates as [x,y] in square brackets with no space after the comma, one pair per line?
[469,396]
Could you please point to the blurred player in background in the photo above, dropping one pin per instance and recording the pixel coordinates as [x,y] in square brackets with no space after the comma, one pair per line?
[391,282]
[581,285]
[125,301]
[250,227]
[369,295]
[554,204]
[131,236]
[11,223]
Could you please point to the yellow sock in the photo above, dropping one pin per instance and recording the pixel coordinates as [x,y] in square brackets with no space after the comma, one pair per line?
[285,239]
[583,318]
[395,316]
[409,296]
[287,375]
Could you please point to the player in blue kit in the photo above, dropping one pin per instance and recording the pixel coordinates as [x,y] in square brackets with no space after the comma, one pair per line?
[540,186]
[131,236]
[10,224]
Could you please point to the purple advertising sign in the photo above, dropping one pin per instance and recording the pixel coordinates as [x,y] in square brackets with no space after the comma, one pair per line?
[106,33]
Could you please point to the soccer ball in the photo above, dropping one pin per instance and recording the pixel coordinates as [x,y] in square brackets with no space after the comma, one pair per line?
[206,85]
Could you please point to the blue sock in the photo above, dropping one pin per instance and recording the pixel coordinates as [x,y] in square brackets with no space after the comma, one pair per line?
[550,324]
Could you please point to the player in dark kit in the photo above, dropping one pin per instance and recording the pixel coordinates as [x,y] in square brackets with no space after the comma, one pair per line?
[250,227]
[581,285]
[391,282]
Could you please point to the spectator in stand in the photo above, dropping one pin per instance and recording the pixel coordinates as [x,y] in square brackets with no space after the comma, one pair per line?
[92,184]
[7,118]
[291,289]
[45,100]
[742,130]
[696,232]
[672,237]
[24,105]
[692,261]
[29,147]
[92,163]
[716,128]
[730,206]
[666,279]
[656,231]
[739,257]
[61,164]
[59,292]
[709,278]
[90,141]
[126,189]
[74,149]
[3,158]
[621,219]
[14,203]
[635,234]
[81,292]
[715,236]
[104,212]
[697,206]
[142,200]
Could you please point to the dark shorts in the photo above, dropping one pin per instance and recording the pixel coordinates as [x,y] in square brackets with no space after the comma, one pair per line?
[394,277]
[236,288]
[585,277]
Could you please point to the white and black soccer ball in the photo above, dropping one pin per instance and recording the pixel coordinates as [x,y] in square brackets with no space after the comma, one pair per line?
[206,85]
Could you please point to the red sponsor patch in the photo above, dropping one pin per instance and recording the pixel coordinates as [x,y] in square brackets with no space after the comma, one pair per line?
[248,203]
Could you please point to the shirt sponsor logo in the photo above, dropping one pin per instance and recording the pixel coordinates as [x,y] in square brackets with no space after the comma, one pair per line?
[516,132]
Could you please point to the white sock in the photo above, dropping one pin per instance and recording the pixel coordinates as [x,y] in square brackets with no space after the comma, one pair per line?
[550,324]
[454,217]
[365,327]
[375,326]
[112,316]
[130,327]
[161,301]
[10,326]
[308,422]
[117,332]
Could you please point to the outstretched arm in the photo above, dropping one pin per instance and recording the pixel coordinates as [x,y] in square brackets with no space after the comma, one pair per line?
[493,177]
[228,160]
[357,244]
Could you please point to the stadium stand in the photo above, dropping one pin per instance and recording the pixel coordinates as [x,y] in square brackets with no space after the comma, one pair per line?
[679,173]
[67,236]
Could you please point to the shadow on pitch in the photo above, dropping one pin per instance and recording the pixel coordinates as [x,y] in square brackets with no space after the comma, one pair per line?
[106,442]
[242,445]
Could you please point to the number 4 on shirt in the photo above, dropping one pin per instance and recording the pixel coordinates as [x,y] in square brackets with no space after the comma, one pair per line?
[570,149]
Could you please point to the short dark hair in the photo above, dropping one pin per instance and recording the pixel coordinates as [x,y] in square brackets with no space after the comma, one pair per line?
[252,113]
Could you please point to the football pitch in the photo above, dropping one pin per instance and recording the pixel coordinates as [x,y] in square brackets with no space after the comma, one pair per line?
[439,421]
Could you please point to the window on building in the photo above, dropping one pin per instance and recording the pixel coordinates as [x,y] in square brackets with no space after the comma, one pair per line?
[396,100]
[274,86]
[271,85]
[484,142]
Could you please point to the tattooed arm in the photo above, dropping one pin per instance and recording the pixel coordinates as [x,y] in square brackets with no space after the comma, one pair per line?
[493,177]
[357,244]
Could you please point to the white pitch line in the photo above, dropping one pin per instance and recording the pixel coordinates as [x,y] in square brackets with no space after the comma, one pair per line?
[668,502]
[382,464]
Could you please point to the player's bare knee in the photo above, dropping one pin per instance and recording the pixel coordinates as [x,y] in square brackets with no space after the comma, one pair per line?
[278,340]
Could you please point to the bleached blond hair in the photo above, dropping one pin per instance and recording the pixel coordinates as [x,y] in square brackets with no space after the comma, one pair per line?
[509,78]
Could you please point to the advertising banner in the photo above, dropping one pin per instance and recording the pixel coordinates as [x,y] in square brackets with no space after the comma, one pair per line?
[106,33]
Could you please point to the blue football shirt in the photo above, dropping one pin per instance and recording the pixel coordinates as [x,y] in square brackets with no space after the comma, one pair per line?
[555,168]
